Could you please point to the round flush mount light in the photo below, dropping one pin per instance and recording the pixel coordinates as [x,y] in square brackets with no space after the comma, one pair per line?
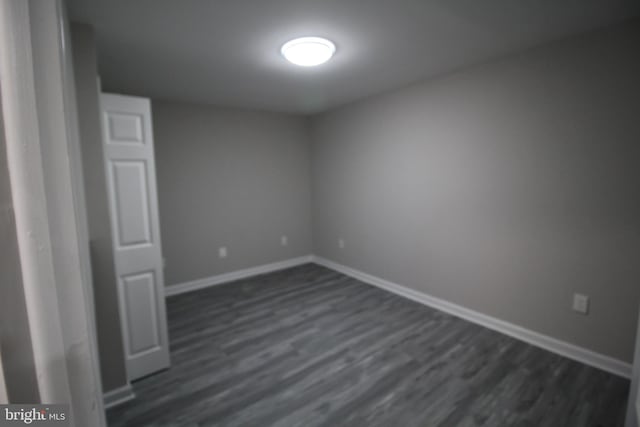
[308,51]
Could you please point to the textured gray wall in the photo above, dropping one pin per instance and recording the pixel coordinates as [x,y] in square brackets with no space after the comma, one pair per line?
[112,364]
[504,188]
[230,178]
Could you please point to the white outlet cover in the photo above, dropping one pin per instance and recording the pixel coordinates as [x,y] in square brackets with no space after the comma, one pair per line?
[581,303]
[284,240]
[222,252]
[341,243]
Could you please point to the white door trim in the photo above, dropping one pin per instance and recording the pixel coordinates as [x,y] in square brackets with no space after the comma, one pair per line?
[118,396]
[45,194]
[4,397]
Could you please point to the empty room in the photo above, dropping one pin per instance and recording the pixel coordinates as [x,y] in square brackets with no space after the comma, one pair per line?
[320,213]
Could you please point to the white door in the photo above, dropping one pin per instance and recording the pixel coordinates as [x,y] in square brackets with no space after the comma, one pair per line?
[131,181]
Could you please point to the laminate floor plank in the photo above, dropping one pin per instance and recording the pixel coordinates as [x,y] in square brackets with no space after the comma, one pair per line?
[311,347]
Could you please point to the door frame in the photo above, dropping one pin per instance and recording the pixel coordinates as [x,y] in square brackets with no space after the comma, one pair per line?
[38,99]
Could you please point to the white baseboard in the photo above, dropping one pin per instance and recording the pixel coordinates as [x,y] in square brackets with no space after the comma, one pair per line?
[546,342]
[117,396]
[235,275]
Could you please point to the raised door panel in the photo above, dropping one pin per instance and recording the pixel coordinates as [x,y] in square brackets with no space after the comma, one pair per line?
[130,195]
[124,128]
[142,333]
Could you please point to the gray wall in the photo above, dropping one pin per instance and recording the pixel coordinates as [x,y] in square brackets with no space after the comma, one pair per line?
[112,364]
[504,188]
[230,178]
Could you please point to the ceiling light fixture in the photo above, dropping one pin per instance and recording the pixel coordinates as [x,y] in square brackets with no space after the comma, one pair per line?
[308,51]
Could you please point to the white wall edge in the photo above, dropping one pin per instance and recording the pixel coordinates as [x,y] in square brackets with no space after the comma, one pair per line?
[219,279]
[563,348]
[118,396]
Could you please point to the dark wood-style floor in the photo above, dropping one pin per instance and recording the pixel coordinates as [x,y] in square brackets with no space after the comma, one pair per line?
[311,347]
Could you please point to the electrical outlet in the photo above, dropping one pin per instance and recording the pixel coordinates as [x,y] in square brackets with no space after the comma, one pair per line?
[341,243]
[581,303]
[222,252]
[284,241]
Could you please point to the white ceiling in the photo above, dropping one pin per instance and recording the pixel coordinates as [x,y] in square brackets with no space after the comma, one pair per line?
[226,52]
